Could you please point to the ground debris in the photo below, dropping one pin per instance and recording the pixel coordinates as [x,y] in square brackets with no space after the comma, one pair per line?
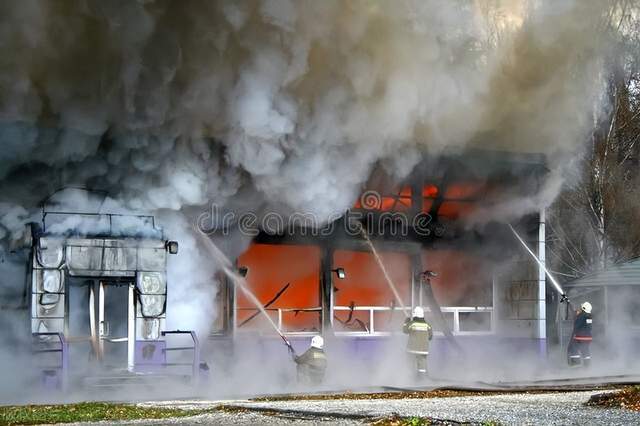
[397,420]
[427,394]
[443,393]
[628,398]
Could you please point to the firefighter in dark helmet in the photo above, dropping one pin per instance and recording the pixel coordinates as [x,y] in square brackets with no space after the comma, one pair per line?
[312,364]
[420,334]
[579,346]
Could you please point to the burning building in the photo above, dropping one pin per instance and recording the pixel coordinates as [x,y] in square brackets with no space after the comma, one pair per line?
[421,116]
[484,290]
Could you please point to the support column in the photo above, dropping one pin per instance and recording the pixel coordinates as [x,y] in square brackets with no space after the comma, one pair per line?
[131,330]
[102,327]
[92,319]
[495,301]
[231,310]
[326,289]
[541,311]
[416,285]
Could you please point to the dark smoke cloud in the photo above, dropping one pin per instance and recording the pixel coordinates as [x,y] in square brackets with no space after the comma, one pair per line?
[173,104]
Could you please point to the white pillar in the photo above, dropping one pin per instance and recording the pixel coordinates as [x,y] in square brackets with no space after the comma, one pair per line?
[233,307]
[131,330]
[541,317]
[495,301]
[92,319]
[102,326]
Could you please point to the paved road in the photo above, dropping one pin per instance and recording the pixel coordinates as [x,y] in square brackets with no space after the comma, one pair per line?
[517,409]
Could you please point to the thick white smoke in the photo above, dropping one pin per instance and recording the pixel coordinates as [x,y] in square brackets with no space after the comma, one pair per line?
[166,103]
[172,105]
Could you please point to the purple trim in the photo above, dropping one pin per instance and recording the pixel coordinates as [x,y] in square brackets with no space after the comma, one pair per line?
[195,366]
[542,347]
[150,353]
[60,382]
[481,348]
[50,380]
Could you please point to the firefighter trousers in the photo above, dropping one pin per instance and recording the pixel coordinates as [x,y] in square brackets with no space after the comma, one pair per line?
[579,351]
[420,362]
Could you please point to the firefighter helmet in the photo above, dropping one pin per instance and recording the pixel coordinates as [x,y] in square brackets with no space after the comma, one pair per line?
[317,342]
[418,312]
[586,306]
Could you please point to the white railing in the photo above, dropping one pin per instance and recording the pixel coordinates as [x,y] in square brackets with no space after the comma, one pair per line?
[371,326]
[456,310]
[276,315]
[278,318]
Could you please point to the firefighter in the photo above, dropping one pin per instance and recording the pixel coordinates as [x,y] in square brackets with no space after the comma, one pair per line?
[581,337]
[420,334]
[312,364]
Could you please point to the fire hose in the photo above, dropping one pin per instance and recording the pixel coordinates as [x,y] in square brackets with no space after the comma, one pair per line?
[435,309]
[266,305]
[286,341]
[240,282]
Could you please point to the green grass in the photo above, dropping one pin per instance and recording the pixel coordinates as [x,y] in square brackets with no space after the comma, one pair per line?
[402,421]
[85,412]
[417,421]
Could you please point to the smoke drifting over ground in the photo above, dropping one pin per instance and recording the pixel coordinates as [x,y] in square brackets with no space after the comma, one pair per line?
[170,106]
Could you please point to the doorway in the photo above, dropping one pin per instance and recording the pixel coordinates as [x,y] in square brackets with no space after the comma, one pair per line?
[113,327]
[101,318]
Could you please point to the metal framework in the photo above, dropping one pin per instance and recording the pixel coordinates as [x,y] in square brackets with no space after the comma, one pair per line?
[109,216]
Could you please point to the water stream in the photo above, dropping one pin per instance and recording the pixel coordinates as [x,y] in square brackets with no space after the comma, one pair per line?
[540,263]
[238,280]
[392,286]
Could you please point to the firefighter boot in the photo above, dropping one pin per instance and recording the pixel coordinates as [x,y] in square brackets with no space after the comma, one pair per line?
[573,354]
[573,361]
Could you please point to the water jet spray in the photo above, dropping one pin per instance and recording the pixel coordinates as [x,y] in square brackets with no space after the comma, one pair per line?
[563,296]
[392,286]
[238,280]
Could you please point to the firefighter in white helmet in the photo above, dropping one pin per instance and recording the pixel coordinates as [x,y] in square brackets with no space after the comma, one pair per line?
[579,346]
[312,364]
[420,334]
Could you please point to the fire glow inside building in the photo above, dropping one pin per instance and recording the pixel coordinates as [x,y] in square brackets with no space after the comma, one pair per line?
[485,287]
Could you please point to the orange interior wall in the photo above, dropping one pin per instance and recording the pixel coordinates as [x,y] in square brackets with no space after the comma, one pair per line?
[271,267]
[365,284]
[463,278]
